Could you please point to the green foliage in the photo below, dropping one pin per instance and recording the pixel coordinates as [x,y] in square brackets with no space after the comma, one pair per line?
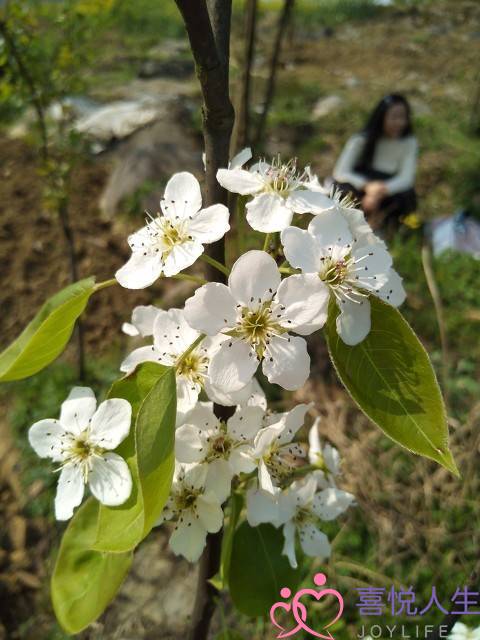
[258,570]
[390,376]
[47,334]
[236,505]
[85,581]
[149,452]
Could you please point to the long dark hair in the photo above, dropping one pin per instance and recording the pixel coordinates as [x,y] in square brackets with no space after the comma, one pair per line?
[373,130]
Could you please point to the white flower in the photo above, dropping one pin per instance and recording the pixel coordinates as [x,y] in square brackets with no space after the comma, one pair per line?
[274,451]
[172,336]
[81,441]
[173,241]
[143,318]
[197,511]
[256,311]
[326,457]
[278,189]
[461,632]
[224,448]
[350,270]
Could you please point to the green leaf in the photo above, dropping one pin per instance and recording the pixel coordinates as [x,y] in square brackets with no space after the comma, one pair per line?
[149,452]
[258,570]
[46,336]
[229,634]
[84,581]
[391,378]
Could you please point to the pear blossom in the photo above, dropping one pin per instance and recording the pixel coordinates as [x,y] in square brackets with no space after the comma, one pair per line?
[461,632]
[174,239]
[172,337]
[278,191]
[276,455]
[351,271]
[256,311]
[81,441]
[224,447]
[195,510]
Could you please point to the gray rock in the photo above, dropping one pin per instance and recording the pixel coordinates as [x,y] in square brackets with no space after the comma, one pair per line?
[326,106]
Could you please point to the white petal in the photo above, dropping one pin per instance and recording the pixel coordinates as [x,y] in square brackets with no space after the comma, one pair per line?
[110,423]
[254,276]
[239,181]
[210,512]
[202,417]
[142,354]
[130,330]
[315,448]
[182,196]
[289,544]
[261,507]
[332,459]
[305,201]
[228,399]
[219,479]
[305,298]
[241,460]
[171,332]
[292,421]
[182,256]
[189,447]
[353,321]
[240,159]
[330,503]
[330,228]
[189,537]
[392,291]
[267,213]
[266,436]
[46,438]
[211,308]
[265,481]
[300,249]
[143,318]
[70,491]
[287,362]
[210,224]
[314,542]
[233,365]
[77,409]
[195,476]
[372,261]
[140,271]
[187,394]
[245,423]
[110,480]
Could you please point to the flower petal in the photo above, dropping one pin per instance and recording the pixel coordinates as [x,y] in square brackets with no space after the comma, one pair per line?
[265,481]
[233,365]
[330,228]
[189,537]
[300,249]
[77,409]
[240,159]
[187,393]
[353,321]
[171,332]
[330,503]
[140,271]
[219,480]
[254,277]
[110,423]
[182,256]
[305,298]
[289,544]
[287,362]
[292,421]
[210,512]
[143,319]
[267,213]
[47,438]
[110,480]
[210,224]
[392,291]
[70,490]
[261,507]
[245,423]
[239,181]
[314,542]
[182,196]
[305,201]
[241,460]
[211,308]
[137,356]
[188,444]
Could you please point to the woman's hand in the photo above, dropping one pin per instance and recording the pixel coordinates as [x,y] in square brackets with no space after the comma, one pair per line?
[376,189]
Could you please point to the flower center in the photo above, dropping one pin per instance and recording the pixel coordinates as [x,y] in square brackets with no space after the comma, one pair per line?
[282,178]
[193,367]
[186,499]
[80,452]
[334,272]
[256,326]
[303,516]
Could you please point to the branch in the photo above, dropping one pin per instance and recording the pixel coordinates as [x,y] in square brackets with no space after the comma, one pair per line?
[269,93]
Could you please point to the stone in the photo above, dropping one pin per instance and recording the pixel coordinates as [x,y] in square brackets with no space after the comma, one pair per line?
[326,106]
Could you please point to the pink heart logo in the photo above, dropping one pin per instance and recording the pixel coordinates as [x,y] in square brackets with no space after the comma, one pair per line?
[284,633]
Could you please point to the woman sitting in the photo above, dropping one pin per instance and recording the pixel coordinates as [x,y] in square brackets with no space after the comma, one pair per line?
[377,166]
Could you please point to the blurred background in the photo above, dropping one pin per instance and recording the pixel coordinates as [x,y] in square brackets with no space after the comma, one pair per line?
[99,105]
